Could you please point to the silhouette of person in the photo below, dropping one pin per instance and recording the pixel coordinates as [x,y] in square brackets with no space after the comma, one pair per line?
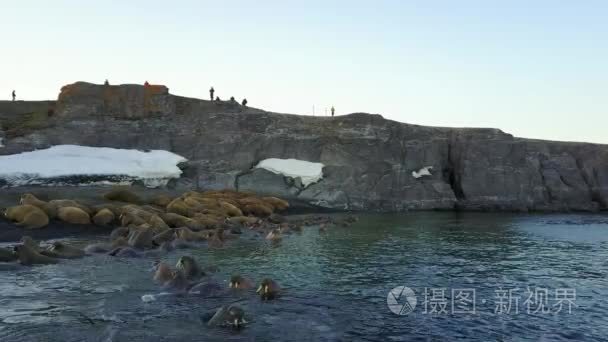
[217,98]
[106,82]
[211,91]
[244,102]
[232,99]
[14,95]
[146,84]
[333,110]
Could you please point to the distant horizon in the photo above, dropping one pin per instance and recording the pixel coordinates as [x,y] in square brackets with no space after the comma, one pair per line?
[536,71]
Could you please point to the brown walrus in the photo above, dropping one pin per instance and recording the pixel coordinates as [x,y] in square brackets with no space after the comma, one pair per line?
[49,209]
[27,216]
[104,217]
[73,215]
[190,268]
[62,250]
[28,256]
[141,238]
[269,289]
[163,272]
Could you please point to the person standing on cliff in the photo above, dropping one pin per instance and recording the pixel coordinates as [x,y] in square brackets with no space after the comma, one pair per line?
[14,96]
[333,110]
[211,91]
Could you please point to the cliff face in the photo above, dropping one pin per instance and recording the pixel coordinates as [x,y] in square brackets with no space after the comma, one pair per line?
[369,160]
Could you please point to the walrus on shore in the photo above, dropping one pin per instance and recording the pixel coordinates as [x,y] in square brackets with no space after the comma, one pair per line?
[164,236]
[189,267]
[60,203]
[122,195]
[141,239]
[49,209]
[177,206]
[157,223]
[257,209]
[176,220]
[7,255]
[277,203]
[161,200]
[27,216]
[128,219]
[62,250]
[28,256]
[73,215]
[239,282]
[230,209]
[104,217]
[186,234]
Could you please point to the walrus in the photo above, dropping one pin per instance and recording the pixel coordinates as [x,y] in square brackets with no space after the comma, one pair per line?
[244,220]
[257,209]
[27,216]
[206,289]
[177,206]
[118,232]
[186,234]
[129,218]
[73,215]
[141,239]
[97,248]
[122,195]
[175,220]
[157,223]
[28,256]
[274,235]
[160,200]
[164,236]
[120,241]
[104,217]
[189,267]
[124,252]
[178,282]
[239,282]
[230,209]
[277,203]
[268,289]
[7,255]
[63,251]
[49,209]
[31,243]
[61,203]
[231,315]
[162,272]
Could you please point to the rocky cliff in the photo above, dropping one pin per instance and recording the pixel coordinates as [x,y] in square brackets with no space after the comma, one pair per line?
[368,160]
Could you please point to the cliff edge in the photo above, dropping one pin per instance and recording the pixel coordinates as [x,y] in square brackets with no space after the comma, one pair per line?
[368,160]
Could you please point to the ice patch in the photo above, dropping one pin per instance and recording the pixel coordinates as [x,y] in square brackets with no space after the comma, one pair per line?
[309,172]
[425,171]
[84,165]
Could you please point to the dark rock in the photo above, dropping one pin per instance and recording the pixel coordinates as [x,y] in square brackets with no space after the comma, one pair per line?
[368,160]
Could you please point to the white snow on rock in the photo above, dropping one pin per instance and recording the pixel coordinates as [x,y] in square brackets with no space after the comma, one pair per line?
[309,172]
[425,171]
[100,165]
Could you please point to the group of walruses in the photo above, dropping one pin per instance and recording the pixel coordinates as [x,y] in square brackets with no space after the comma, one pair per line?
[161,221]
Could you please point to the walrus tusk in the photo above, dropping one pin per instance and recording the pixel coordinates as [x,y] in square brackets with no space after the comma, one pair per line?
[236,322]
[266,289]
[259,289]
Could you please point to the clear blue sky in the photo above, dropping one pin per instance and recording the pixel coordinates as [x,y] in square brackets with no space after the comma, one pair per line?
[535,69]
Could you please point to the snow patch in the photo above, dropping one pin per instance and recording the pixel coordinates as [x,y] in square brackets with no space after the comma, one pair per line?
[1,142]
[84,165]
[308,172]
[425,171]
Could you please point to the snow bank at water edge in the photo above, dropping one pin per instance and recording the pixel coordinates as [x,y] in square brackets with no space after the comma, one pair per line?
[307,171]
[83,165]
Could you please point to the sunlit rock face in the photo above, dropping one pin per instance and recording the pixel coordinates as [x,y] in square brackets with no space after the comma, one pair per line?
[367,160]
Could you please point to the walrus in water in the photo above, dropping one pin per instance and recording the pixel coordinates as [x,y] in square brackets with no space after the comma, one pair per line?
[7,255]
[63,251]
[231,315]
[141,239]
[28,256]
[269,289]
[207,289]
[190,268]
[124,252]
[31,243]
[119,232]
[162,272]
[239,282]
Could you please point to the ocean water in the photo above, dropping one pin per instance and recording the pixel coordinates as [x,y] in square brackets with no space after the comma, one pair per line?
[485,277]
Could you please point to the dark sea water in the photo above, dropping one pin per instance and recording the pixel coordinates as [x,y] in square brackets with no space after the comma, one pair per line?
[336,285]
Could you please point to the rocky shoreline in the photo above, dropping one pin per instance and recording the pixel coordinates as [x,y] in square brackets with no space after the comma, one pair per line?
[369,162]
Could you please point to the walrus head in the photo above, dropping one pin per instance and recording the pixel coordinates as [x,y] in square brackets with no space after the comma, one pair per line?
[236,281]
[236,316]
[189,267]
[268,289]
